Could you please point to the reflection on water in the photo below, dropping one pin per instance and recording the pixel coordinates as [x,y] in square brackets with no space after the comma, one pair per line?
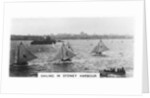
[62,67]
[101,55]
[25,70]
[32,70]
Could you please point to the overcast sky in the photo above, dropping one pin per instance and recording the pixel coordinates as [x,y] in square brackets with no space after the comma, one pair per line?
[45,26]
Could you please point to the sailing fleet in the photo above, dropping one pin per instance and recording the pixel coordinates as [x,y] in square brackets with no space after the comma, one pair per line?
[64,55]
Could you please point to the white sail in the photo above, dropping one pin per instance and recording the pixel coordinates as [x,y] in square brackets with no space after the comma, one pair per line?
[69,46]
[69,53]
[60,54]
[24,55]
[100,48]
[95,50]
[64,53]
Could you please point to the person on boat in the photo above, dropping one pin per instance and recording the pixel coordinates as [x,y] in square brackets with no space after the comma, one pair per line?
[100,53]
[118,69]
[123,70]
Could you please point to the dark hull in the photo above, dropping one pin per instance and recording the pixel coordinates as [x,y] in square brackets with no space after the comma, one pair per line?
[106,73]
[115,73]
[22,70]
[42,42]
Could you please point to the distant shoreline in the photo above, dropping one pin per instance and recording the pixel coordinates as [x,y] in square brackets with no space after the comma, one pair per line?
[70,37]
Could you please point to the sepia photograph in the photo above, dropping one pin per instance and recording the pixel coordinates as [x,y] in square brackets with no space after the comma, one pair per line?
[101,45]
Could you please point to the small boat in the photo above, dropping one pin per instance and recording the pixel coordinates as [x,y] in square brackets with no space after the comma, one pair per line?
[23,55]
[99,48]
[113,71]
[64,55]
[44,41]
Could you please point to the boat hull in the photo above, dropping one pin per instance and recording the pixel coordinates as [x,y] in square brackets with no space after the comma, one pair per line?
[42,42]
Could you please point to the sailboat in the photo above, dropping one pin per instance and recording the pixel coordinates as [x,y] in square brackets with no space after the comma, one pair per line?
[99,48]
[23,55]
[64,54]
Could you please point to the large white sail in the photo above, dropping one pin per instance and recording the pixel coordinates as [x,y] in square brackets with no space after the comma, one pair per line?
[100,47]
[60,54]
[69,53]
[69,46]
[64,53]
[24,55]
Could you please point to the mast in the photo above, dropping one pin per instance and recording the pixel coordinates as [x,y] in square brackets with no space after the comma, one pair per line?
[17,58]
[64,51]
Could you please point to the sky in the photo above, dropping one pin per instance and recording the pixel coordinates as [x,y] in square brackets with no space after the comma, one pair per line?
[46,26]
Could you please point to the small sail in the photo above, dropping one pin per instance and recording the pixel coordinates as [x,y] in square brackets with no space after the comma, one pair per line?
[24,55]
[100,47]
[64,53]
